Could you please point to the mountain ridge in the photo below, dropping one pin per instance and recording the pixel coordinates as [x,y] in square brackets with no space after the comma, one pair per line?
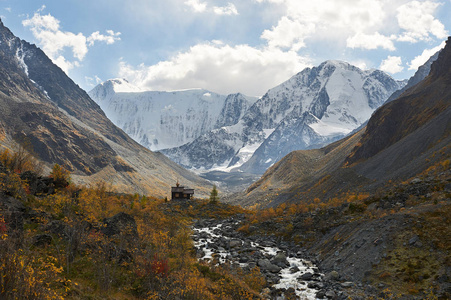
[41,107]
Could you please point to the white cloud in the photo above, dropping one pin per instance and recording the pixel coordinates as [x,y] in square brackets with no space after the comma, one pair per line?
[288,34]
[371,41]
[423,57]
[92,81]
[196,5]
[392,64]
[363,24]
[333,20]
[418,21]
[221,68]
[361,64]
[230,9]
[110,38]
[8,9]
[201,7]
[46,29]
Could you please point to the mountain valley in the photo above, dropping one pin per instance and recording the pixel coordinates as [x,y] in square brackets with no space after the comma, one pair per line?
[335,184]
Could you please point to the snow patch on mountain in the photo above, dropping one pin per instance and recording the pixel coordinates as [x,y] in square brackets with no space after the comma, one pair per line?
[20,56]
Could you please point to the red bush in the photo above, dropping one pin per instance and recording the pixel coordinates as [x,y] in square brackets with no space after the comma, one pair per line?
[159,266]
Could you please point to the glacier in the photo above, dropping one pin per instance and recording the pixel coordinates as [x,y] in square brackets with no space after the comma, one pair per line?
[161,119]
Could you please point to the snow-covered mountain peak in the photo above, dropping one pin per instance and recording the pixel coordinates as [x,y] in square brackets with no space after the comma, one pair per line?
[121,85]
[336,63]
[106,90]
[314,107]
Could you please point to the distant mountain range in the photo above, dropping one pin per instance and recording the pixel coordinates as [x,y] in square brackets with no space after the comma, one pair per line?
[206,131]
[43,108]
[403,138]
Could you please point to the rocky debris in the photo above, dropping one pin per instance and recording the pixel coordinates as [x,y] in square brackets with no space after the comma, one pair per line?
[38,185]
[266,265]
[121,224]
[333,275]
[42,240]
[57,227]
[13,211]
[415,241]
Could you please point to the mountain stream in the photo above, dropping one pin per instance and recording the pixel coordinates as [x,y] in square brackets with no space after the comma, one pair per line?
[219,242]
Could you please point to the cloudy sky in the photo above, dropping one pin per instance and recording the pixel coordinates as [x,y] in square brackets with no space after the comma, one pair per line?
[226,46]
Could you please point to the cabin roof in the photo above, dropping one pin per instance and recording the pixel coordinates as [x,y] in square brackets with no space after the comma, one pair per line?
[181,189]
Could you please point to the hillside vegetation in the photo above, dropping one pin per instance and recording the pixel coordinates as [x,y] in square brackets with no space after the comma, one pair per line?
[63,241]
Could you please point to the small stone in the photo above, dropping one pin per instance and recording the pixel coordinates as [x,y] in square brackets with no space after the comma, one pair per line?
[331,295]
[235,243]
[413,240]
[347,284]
[306,276]
[280,258]
[416,180]
[320,295]
[315,285]
[333,275]
[294,269]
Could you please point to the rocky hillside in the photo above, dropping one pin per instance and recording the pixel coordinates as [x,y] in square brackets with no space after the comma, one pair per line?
[402,139]
[45,111]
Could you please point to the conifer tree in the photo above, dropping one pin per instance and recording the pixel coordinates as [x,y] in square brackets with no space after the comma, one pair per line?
[214,195]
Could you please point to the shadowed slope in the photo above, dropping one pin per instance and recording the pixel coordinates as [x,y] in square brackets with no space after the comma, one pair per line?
[42,107]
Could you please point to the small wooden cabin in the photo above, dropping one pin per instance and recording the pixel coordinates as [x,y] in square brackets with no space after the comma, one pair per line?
[179,192]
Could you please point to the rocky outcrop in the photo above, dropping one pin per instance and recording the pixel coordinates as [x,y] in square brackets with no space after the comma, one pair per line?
[121,225]
[13,211]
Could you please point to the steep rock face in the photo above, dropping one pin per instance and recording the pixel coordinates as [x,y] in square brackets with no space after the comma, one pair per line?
[290,135]
[235,106]
[313,108]
[202,154]
[412,110]
[42,107]
[30,115]
[419,75]
[159,120]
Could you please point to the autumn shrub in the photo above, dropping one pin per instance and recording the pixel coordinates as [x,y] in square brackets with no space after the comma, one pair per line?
[356,207]
[19,161]
[159,266]
[12,185]
[25,274]
[61,176]
[158,263]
